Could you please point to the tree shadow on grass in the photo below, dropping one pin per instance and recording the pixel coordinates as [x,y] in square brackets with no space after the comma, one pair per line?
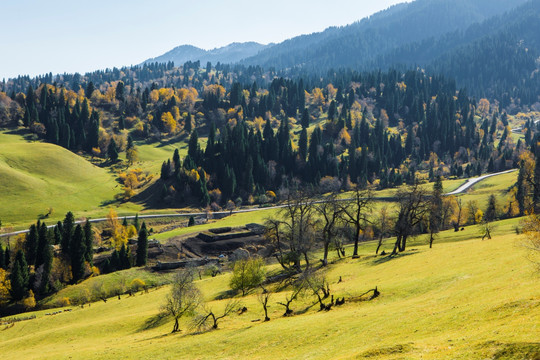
[227,294]
[384,259]
[154,322]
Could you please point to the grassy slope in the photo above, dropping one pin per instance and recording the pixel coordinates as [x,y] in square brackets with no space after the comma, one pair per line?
[497,185]
[35,176]
[465,300]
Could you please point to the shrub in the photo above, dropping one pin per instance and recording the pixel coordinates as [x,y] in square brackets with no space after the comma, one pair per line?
[137,285]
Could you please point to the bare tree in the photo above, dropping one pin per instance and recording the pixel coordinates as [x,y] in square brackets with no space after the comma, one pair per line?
[413,208]
[264,297]
[487,228]
[293,232]
[459,215]
[472,206]
[356,212]
[298,287]
[202,320]
[319,287]
[184,297]
[384,223]
[330,212]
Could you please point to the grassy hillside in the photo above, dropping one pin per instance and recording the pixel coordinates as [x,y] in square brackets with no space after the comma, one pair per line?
[469,300]
[35,176]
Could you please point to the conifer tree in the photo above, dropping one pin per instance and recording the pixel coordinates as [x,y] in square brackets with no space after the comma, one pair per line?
[303,144]
[46,266]
[112,151]
[88,242]
[78,251]
[193,147]
[123,258]
[188,123]
[176,161]
[19,277]
[30,245]
[305,119]
[67,233]
[491,211]
[136,222]
[2,258]
[142,246]
[42,245]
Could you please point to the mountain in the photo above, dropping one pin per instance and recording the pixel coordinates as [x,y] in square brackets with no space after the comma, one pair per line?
[361,43]
[498,58]
[228,54]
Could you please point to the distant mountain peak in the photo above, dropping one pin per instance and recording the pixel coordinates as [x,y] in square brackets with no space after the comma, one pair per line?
[231,53]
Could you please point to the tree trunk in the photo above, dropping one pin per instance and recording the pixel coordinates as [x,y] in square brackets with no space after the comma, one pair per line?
[431,240]
[379,245]
[396,245]
[325,256]
[175,328]
[307,259]
[356,239]
[403,244]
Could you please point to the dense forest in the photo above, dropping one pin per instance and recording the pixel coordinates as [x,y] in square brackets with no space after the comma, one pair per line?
[379,128]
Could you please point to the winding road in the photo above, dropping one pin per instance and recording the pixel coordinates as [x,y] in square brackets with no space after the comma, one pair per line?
[467,185]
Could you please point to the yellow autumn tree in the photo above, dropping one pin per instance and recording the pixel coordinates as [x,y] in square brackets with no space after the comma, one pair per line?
[168,122]
[118,234]
[5,286]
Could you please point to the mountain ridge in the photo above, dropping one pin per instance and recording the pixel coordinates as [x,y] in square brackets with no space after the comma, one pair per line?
[230,53]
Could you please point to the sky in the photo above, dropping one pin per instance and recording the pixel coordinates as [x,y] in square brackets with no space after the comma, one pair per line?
[78,36]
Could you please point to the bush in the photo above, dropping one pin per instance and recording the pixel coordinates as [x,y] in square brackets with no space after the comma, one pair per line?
[137,285]
[30,301]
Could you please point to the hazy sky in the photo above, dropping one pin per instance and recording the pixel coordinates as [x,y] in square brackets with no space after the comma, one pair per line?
[77,36]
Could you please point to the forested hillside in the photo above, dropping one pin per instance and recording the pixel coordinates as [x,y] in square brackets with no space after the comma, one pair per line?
[378,128]
[360,44]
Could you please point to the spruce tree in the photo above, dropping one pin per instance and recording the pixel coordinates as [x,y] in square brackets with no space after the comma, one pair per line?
[491,211]
[20,277]
[43,244]
[188,125]
[78,251]
[123,258]
[112,151]
[136,222]
[7,260]
[67,233]
[303,144]
[142,246]
[30,245]
[305,118]
[88,242]
[2,258]
[193,147]
[47,256]
[176,161]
